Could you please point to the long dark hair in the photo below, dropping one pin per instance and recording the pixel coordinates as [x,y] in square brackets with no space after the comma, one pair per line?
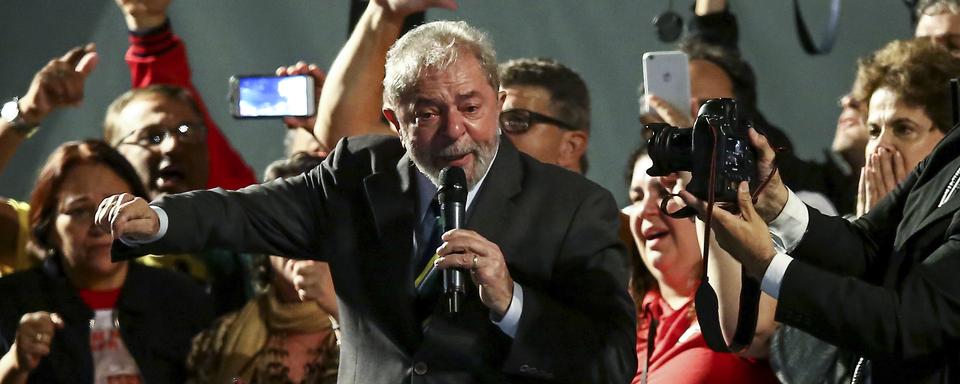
[642,281]
[43,199]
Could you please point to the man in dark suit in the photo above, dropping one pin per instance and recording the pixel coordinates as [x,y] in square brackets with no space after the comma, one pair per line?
[885,285]
[549,301]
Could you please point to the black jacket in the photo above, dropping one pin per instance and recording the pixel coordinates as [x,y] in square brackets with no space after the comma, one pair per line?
[159,312]
[556,230]
[886,285]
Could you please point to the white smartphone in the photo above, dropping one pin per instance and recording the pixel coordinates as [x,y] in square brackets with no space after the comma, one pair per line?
[667,75]
[265,96]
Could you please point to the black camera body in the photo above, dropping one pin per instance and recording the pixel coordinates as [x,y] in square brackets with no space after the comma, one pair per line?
[675,149]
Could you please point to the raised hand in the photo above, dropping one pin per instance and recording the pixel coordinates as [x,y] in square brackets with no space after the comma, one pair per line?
[774,195]
[302,68]
[402,8]
[59,83]
[670,114]
[128,217]
[143,14]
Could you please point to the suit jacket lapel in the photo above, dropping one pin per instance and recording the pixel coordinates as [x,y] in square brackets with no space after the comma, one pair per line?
[383,191]
[490,211]
[390,195]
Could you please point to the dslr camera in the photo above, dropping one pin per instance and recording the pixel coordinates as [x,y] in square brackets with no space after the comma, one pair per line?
[718,139]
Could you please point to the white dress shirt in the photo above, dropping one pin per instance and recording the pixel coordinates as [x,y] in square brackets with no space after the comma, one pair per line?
[786,231]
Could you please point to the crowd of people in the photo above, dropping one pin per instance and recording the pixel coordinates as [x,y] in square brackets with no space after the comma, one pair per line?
[151,254]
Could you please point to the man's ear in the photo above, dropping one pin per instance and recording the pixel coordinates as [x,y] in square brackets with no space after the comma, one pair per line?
[572,148]
[391,116]
[501,97]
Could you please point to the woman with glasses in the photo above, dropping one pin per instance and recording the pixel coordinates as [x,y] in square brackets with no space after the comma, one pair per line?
[79,317]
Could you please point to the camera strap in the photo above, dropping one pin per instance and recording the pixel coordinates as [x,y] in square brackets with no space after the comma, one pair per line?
[705,300]
[829,34]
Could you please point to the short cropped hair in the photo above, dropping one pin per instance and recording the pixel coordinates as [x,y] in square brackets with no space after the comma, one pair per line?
[434,46]
[917,70]
[111,124]
[568,91]
[936,7]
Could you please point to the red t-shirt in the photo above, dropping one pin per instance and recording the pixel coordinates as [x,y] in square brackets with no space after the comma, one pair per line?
[680,354]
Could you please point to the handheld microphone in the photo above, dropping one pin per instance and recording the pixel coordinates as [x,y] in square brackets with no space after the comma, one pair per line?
[452,196]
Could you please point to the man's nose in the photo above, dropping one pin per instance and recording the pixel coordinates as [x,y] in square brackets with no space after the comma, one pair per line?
[170,143]
[454,126]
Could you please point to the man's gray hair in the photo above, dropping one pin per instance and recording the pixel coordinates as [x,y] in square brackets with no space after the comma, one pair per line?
[936,7]
[434,46]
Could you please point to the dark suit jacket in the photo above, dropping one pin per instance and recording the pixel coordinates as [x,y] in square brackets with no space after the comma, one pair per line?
[159,312]
[888,284]
[556,229]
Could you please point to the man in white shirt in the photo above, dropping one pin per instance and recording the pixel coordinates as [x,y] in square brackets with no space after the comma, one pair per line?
[884,285]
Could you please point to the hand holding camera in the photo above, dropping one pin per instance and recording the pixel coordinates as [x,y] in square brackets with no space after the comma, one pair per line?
[727,158]
[721,150]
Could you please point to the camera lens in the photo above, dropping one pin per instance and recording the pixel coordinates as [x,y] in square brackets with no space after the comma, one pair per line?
[670,148]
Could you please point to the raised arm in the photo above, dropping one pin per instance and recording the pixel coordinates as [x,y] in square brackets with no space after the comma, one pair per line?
[725,277]
[58,84]
[157,56]
[352,96]
[713,23]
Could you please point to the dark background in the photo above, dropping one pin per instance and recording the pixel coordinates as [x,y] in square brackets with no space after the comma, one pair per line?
[602,40]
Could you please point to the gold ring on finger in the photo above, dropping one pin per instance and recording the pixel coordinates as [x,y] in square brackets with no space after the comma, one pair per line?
[473,267]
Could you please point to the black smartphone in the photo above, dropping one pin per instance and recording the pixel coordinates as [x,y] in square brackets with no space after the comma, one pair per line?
[270,96]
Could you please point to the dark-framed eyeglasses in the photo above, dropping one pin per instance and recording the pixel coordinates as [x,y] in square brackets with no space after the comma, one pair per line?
[519,120]
[153,136]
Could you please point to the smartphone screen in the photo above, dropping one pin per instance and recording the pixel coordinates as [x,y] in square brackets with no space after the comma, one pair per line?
[261,96]
[667,75]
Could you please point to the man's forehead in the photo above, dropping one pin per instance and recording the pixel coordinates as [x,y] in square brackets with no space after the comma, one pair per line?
[153,109]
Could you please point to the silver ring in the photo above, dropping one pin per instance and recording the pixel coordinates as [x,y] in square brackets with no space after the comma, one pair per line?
[475,260]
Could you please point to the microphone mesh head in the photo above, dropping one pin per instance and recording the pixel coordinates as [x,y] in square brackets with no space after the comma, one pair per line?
[453,185]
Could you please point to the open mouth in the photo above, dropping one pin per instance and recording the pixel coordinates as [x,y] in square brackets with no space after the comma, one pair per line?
[169,175]
[654,233]
[456,160]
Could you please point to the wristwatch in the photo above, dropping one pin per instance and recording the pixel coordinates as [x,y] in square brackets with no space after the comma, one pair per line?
[12,115]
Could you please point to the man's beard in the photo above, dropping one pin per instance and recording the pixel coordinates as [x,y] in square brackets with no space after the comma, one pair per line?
[429,164]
